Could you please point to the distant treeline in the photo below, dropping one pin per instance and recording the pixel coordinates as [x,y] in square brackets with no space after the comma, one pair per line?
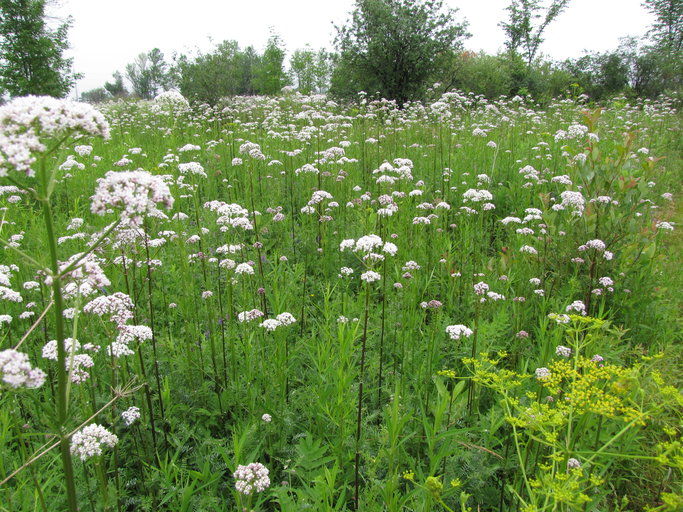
[398,49]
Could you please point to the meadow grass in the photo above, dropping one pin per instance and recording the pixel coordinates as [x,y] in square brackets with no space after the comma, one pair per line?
[458,305]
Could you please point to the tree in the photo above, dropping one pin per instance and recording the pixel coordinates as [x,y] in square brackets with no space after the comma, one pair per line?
[95,95]
[310,70]
[523,32]
[148,74]
[226,71]
[302,66]
[391,47]
[31,55]
[667,30]
[269,75]
[116,88]
[667,35]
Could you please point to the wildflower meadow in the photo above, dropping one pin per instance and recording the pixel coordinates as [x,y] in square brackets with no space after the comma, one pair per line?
[288,303]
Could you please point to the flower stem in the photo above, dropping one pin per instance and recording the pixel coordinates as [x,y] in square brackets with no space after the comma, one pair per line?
[62,384]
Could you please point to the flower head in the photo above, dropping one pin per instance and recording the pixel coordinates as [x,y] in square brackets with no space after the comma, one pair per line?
[89,440]
[131,415]
[458,331]
[16,370]
[24,121]
[135,193]
[250,478]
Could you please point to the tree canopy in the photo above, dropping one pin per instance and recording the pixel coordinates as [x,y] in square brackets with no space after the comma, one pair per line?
[31,55]
[527,21]
[390,47]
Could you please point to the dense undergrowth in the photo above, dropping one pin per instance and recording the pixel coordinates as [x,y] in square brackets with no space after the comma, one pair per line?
[458,305]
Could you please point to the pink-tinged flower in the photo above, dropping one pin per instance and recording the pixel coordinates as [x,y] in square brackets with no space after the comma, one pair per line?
[481,288]
[542,373]
[563,351]
[248,316]
[606,281]
[24,121]
[118,305]
[130,415]
[573,464]
[577,306]
[16,370]
[135,193]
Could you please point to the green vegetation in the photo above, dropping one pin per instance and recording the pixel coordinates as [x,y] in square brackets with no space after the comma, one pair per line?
[457,305]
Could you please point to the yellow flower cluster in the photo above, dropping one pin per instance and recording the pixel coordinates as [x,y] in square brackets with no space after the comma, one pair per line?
[486,372]
[566,487]
[587,386]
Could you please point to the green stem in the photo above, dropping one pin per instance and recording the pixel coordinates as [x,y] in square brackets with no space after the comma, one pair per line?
[62,384]
[360,397]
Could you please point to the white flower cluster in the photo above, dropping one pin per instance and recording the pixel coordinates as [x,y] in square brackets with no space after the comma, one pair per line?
[577,306]
[75,364]
[596,244]
[130,415]
[307,169]
[250,478]
[253,150]
[560,318]
[85,278]
[667,226]
[345,272]
[171,99]
[10,295]
[244,268]
[542,373]
[477,196]
[411,265]
[368,244]
[248,316]
[89,440]
[455,332]
[50,348]
[25,120]
[120,307]
[481,288]
[370,276]
[281,320]
[575,131]
[16,370]
[402,167]
[135,193]
[230,215]
[563,351]
[192,168]
[573,200]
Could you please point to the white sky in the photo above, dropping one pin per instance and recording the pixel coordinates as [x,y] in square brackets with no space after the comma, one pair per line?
[105,36]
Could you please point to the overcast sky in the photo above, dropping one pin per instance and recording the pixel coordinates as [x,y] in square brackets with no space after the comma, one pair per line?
[105,36]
